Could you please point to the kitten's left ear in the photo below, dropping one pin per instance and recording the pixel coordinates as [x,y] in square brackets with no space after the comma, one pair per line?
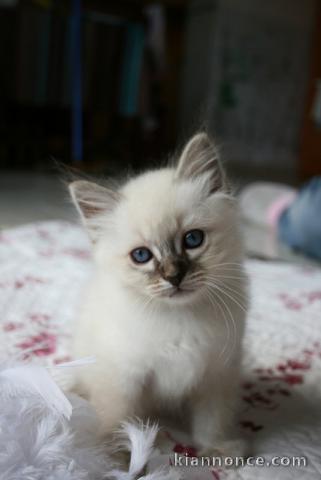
[200,158]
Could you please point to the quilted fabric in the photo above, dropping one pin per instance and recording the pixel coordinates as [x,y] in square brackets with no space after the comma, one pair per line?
[43,269]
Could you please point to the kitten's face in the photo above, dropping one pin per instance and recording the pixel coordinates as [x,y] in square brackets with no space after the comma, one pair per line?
[169,237]
[168,232]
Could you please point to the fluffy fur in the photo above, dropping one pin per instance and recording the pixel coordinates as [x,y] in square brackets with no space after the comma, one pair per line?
[159,344]
[38,440]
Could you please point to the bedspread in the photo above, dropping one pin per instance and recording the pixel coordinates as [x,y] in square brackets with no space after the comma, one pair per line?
[43,269]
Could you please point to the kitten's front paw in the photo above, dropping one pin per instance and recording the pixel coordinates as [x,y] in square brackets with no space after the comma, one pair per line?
[226,448]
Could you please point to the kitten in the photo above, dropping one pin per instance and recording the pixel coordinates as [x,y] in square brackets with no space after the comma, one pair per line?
[165,310]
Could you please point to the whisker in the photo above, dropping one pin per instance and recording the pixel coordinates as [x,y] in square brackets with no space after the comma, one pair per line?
[239,264]
[233,325]
[224,292]
[227,285]
[218,267]
[158,288]
[242,296]
[230,277]
[226,323]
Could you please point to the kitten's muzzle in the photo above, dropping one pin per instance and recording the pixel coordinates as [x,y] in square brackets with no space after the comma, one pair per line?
[175,280]
[174,272]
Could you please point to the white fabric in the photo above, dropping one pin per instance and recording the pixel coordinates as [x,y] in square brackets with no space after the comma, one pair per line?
[43,270]
[256,200]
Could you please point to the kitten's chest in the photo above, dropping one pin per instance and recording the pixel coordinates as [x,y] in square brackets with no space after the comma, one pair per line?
[180,362]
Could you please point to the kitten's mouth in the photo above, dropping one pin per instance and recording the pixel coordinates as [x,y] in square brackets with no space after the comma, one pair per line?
[179,292]
[176,293]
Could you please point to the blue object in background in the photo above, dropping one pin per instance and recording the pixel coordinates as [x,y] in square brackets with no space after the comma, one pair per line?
[76,83]
[131,69]
[300,224]
[130,75]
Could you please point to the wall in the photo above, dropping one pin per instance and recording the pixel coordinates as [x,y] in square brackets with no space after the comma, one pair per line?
[257,59]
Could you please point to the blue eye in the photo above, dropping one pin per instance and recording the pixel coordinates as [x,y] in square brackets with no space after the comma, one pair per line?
[193,239]
[141,255]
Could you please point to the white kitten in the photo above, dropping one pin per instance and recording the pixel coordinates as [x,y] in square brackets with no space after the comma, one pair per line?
[165,310]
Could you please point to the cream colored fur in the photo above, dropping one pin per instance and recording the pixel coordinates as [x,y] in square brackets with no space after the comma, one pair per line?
[154,348]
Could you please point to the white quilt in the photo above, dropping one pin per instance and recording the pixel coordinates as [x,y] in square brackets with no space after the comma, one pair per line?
[43,269]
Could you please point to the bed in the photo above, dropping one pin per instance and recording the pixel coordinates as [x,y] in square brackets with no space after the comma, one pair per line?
[43,270]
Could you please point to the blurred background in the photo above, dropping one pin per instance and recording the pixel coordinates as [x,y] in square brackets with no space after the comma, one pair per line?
[107,86]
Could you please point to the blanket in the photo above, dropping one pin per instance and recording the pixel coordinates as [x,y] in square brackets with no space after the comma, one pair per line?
[43,271]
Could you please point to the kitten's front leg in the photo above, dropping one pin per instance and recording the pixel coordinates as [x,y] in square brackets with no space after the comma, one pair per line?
[213,418]
[102,388]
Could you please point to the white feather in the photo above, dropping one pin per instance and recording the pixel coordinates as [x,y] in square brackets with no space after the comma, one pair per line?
[38,444]
[164,474]
[63,373]
[77,363]
[34,380]
[141,441]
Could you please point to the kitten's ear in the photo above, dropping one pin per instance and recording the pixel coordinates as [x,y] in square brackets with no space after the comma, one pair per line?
[92,201]
[200,158]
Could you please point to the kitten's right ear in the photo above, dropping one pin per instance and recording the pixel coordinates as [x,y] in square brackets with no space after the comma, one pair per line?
[92,201]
